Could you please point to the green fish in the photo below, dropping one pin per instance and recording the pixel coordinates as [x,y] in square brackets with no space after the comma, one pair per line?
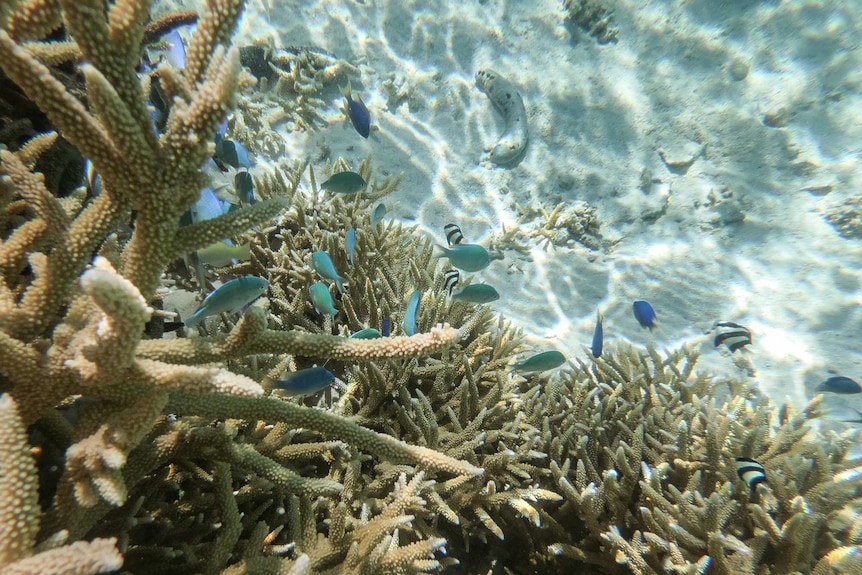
[467,257]
[540,362]
[223,254]
[303,382]
[235,295]
[344,183]
[367,333]
[322,299]
[476,293]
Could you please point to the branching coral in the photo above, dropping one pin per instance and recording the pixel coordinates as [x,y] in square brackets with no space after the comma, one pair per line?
[169,456]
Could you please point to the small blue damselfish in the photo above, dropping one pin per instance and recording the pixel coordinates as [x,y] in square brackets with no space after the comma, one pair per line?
[644,313]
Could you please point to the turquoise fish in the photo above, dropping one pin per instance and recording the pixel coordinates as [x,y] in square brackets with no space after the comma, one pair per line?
[322,299]
[467,257]
[235,295]
[367,333]
[323,265]
[350,245]
[344,183]
[540,362]
[412,311]
[304,381]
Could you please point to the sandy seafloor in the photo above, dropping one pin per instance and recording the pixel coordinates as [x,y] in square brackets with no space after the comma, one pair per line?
[739,235]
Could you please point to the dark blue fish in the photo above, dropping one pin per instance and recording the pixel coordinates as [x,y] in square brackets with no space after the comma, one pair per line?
[244,185]
[94,180]
[305,381]
[384,327]
[750,471]
[839,384]
[598,337]
[357,111]
[644,313]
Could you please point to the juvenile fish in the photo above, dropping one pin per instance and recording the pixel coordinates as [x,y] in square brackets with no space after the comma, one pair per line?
[350,245]
[244,185]
[598,337]
[839,384]
[321,299]
[750,471]
[644,313]
[357,111]
[453,234]
[233,154]
[304,381]
[733,335]
[411,313]
[344,183]
[235,295]
[540,362]
[323,265]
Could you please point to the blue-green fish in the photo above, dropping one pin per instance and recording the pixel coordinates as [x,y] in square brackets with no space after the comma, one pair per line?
[344,183]
[367,333]
[476,293]
[377,215]
[235,295]
[322,299]
[540,362]
[467,257]
[350,245]
[412,311]
[304,381]
[323,265]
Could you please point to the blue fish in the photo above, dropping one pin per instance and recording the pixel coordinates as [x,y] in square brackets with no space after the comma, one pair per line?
[304,381]
[323,265]
[467,257]
[176,52]
[357,112]
[644,313]
[367,333]
[540,362]
[322,299]
[839,384]
[598,337]
[244,185]
[235,295]
[94,180]
[384,327]
[350,245]
[377,215]
[207,207]
[412,311]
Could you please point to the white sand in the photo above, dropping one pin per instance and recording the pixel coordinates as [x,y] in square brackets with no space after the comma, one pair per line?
[599,116]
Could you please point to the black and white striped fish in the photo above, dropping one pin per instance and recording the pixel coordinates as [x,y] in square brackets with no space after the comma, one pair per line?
[452,277]
[733,335]
[453,234]
[750,471]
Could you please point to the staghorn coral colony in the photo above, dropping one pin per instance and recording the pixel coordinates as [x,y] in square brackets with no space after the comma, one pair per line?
[166,455]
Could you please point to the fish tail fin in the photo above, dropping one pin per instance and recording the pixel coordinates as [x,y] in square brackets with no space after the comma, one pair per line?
[346,91]
[439,251]
[194,319]
[339,285]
